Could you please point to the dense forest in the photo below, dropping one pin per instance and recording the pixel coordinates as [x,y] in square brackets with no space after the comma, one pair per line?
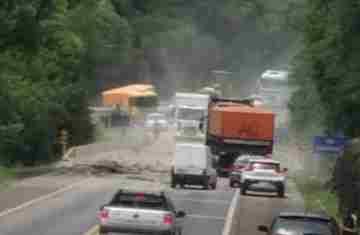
[326,71]
[327,67]
[56,55]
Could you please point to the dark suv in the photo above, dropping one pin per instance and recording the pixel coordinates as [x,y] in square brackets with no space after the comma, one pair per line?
[302,223]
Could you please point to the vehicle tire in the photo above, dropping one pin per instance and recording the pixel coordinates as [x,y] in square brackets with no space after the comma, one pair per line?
[231,184]
[281,191]
[171,233]
[206,186]
[102,231]
[214,186]
[244,188]
[173,183]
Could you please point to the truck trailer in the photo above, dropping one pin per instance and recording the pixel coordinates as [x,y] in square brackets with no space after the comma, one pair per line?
[236,127]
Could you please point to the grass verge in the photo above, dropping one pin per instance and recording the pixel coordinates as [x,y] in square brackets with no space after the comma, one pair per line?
[6,176]
[317,197]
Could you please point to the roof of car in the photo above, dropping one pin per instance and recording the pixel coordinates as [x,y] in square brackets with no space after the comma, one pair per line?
[191,145]
[251,156]
[144,192]
[266,160]
[275,75]
[155,114]
[305,215]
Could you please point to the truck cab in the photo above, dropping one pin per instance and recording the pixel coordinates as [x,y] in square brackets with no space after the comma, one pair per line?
[190,113]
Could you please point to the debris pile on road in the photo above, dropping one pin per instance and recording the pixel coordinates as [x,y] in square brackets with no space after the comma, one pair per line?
[103,167]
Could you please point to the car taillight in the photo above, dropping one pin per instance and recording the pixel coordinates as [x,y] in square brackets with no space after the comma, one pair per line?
[103,215]
[168,219]
[140,196]
[249,168]
[239,167]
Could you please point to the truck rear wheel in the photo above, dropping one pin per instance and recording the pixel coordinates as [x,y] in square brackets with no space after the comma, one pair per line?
[173,183]
[281,191]
[102,231]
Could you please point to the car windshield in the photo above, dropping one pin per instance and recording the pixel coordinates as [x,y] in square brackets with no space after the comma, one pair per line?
[190,114]
[241,161]
[273,84]
[139,200]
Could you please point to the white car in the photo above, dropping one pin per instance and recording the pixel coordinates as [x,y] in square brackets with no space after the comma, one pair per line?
[156,120]
[264,172]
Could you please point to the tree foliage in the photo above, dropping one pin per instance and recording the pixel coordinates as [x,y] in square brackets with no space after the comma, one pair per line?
[50,51]
[329,64]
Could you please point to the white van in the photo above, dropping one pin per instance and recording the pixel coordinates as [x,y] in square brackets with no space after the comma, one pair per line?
[193,165]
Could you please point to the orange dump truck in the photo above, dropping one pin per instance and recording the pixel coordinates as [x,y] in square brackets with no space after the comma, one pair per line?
[238,127]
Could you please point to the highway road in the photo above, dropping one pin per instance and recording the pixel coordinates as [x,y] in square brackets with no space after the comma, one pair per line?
[74,212]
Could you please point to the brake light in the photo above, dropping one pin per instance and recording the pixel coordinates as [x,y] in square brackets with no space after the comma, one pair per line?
[168,219]
[239,167]
[103,215]
[249,168]
[140,196]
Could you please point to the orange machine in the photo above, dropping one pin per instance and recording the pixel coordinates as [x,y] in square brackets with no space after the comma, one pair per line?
[236,126]
[136,100]
[122,95]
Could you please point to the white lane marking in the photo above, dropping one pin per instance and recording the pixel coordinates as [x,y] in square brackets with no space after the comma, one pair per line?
[230,214]
[205,217]
[41,198]
[93,231]
[202,201]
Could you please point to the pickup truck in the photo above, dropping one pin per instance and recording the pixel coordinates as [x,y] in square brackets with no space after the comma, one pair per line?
[264,171]
[139,212]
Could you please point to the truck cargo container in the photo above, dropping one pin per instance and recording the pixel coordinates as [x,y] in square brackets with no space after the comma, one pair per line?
[238,127]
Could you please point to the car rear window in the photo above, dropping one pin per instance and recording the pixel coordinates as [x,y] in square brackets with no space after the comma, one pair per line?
[302,226]
[265,166]
[140,201]
[241,163]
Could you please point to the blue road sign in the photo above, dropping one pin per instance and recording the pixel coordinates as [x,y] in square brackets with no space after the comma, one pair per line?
[329,144]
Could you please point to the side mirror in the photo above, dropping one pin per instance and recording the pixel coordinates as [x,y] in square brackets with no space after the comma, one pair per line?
[180,214]
[263,228]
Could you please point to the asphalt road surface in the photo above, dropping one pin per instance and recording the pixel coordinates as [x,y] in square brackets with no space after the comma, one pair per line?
[206,210]
[75,212]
